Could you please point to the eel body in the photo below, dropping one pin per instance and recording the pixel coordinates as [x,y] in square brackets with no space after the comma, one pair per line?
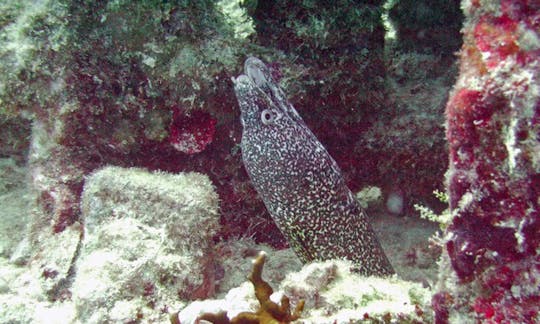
[299,182]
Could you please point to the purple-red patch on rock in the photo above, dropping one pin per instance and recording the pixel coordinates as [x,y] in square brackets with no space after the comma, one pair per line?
[192,133]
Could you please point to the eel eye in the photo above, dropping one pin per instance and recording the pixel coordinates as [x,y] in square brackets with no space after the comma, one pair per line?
[268,116]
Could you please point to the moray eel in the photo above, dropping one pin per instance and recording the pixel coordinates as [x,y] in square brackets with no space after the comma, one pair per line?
[299,182]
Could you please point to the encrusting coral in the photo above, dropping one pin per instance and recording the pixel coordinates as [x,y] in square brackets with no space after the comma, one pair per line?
[269,312]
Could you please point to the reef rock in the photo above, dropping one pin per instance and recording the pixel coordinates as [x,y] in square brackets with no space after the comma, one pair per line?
[147,242]
[332,294]
[493,132]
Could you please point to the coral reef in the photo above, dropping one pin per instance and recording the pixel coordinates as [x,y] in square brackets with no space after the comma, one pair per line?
[493,128]
[23,298]
[147,85]
[411,129]
[105,84]
[147,248]
[332,294]
[380,117]
[369,197]
[179,202]
[126,271]
[128,84]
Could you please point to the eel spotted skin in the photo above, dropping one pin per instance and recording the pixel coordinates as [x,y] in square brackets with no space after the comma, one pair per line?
[299,182]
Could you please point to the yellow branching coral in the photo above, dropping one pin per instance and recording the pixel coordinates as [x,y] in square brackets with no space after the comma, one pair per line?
[269,311]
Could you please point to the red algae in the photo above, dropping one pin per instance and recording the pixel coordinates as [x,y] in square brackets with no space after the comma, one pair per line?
[493,180]
[519,306]
[191,134]
[496,36]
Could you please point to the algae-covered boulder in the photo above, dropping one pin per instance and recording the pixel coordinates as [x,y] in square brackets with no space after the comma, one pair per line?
[147,243]
[184,204]
[332,294]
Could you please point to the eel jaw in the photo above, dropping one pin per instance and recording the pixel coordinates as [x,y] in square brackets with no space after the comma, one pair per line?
[257,71]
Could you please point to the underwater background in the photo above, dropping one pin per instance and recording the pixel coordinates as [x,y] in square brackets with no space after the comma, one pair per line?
[124,195]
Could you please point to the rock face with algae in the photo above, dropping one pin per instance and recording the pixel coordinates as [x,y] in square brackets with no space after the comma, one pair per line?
[147,243]
[90,84]
[177,202]
[147,247]
[116,82]
[146,84]
[493,132]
